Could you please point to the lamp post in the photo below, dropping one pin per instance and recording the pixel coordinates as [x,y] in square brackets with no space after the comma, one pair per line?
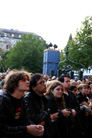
[68,68]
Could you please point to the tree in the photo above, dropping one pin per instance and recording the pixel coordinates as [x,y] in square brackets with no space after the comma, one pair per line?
[27,54]
[64,54]
[80,50]
[2,55]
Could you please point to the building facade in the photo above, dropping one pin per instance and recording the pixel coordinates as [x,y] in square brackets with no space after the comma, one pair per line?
[9,37]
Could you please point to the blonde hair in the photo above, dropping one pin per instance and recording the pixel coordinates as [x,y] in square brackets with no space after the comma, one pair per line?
[81,86]
[72,82]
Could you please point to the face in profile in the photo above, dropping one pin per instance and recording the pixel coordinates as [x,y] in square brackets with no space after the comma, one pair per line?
[23,85]
[40,88]
[66,83]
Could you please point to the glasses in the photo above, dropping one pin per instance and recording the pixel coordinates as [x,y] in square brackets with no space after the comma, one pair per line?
[42,82]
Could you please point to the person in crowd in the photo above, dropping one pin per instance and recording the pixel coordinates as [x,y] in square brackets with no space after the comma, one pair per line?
[36,103]
[8,70]
[90,91]
[83,80]
[82,95]
[90,79]
[79,82]
[69,97]
[46,77]
[76,79]
[85,106]
[56,104]
[72,104]
[73,82]
[2,83]
[73,89]
[14,122]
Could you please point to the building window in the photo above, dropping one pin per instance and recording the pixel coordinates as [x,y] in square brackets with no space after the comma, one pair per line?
[19,36]
[7,46]
[12,35]
[1,40]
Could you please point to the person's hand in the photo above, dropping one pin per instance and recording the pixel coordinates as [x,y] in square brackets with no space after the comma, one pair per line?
[87,113]
[66,113]
[73,112]
[35,130]
[54,116]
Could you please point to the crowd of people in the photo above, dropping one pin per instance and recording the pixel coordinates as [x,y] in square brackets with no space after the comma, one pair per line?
[33,105]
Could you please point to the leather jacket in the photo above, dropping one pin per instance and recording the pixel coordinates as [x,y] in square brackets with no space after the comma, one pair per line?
[36,107]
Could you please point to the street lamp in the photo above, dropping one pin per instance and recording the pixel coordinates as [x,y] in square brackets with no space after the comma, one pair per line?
[68,68]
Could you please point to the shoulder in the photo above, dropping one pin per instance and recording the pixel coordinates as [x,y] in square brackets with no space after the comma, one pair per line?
[50,100]
[4,98]
[71,93]
[4,95]
[27,95]
[79,95]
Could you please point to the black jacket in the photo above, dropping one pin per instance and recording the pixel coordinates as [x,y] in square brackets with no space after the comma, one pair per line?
[71,101]
[61,122]
[8,128]
[36,107]
[38,112]
[81,98]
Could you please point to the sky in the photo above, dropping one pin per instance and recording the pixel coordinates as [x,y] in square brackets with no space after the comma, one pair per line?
[53,20]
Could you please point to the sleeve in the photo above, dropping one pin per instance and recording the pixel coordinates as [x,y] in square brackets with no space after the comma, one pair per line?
[76,103]
[25,118]
[79,99]
[35,115]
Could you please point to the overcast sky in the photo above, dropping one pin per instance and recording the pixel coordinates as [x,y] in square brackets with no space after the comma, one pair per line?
[53,20]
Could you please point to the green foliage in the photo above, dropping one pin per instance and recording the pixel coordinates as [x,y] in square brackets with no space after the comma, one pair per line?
[80,48]
[27,54]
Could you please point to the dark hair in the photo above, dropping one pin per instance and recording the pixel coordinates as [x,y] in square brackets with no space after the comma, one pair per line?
[12,79]
[72,88]
[34,79]
[61,77]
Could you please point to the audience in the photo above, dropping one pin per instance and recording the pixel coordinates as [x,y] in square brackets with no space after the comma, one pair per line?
[33,105]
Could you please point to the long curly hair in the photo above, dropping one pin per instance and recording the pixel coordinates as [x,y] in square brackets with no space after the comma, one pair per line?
[12,79]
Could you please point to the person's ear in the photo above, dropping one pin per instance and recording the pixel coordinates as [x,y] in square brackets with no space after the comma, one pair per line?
[51,91]
[33,87]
